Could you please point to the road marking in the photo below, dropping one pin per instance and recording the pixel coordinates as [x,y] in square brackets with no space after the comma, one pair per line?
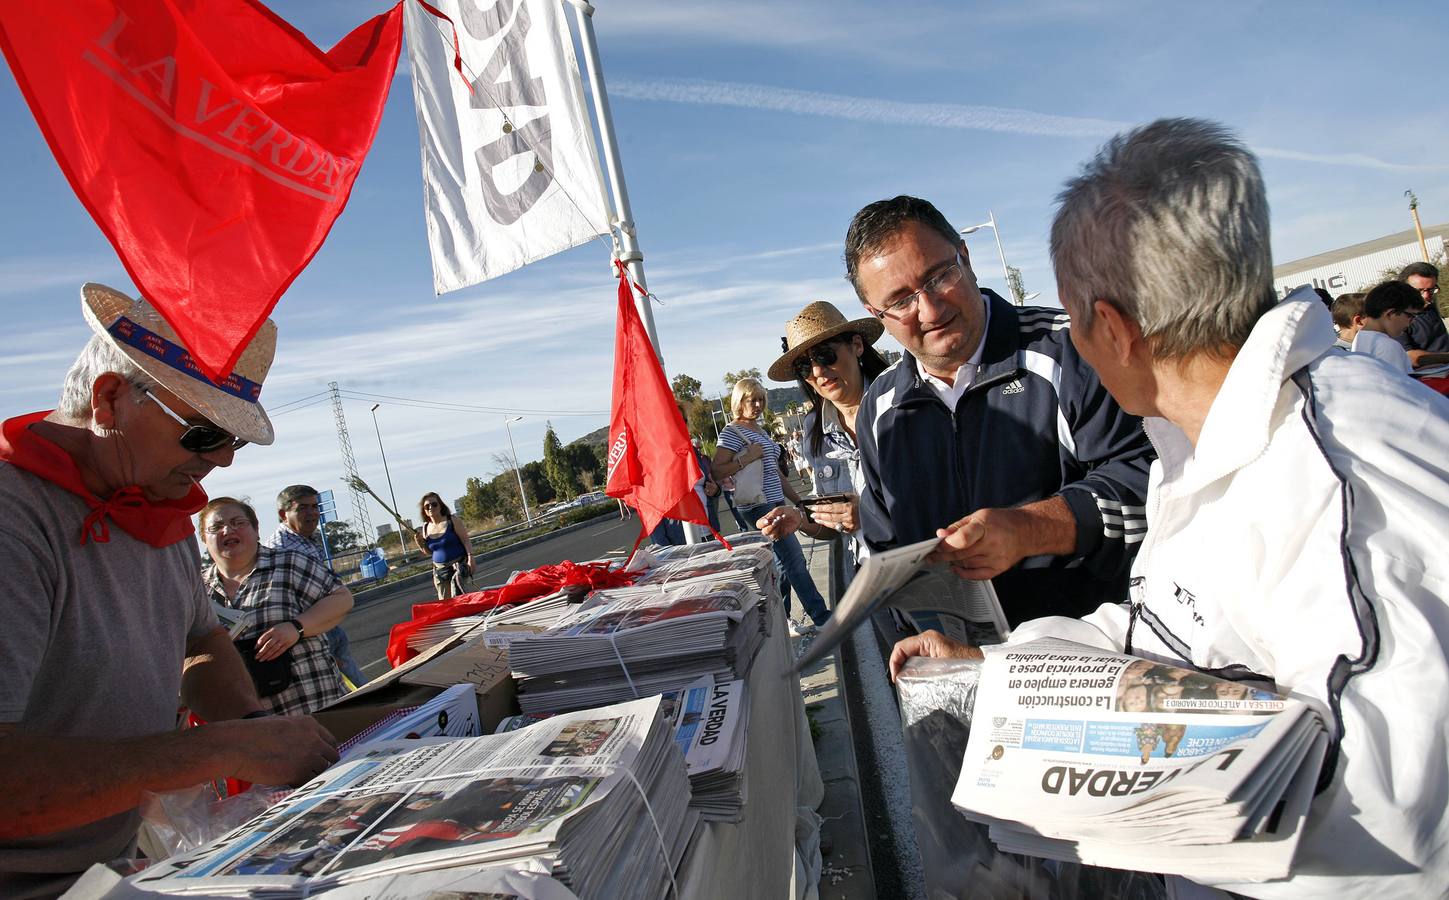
[376,663]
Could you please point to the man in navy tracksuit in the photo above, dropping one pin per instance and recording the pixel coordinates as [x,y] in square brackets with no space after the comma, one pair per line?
[991,432]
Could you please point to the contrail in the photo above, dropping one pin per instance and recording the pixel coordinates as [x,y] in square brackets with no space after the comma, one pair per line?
[932,115]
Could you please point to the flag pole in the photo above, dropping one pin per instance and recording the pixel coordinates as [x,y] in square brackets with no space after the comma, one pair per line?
[628,249]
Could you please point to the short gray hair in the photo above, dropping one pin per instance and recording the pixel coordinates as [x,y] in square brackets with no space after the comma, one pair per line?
[1169,224]
[97,358]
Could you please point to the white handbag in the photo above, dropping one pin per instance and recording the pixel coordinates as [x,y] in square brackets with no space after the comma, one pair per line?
[750,482]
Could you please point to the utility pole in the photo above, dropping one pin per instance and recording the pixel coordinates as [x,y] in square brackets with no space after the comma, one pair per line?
[349,466]
[1418,228]
[522,494]
[402,544]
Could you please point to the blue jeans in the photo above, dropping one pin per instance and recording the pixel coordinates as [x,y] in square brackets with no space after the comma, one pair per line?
[790,561]
[341,647]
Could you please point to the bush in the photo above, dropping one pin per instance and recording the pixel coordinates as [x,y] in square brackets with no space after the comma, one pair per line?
[585,513]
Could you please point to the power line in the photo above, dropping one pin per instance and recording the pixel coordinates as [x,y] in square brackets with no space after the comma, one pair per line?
[318,402]
[466,407]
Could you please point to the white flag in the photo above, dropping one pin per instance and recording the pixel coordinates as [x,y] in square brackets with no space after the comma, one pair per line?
[501,193]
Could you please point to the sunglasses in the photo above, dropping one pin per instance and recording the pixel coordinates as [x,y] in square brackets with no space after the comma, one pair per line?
[198,438]
[822,355]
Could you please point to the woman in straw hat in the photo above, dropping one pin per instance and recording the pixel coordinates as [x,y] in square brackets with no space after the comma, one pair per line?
[833,361]
[744,442]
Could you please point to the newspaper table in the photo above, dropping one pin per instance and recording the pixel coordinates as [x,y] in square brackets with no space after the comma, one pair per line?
[1087,756]
[597,800]
[630,642]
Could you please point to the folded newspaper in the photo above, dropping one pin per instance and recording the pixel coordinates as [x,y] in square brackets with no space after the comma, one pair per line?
[711,726]
[641,640]
[752,562]
[934,596]
[596,800]
[1087,756]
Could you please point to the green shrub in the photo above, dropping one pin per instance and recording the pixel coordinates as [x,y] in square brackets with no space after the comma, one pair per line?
[585,513]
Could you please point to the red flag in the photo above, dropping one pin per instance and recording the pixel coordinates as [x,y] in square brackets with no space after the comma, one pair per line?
[651,463]
[211,141]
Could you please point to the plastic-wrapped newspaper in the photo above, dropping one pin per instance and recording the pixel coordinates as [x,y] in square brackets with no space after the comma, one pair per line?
[597,800]
[1082,755]
[635,641]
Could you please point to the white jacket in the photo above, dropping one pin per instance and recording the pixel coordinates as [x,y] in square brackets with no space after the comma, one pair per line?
[1306,540]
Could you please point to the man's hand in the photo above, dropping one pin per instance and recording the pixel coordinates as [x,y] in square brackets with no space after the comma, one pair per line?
[277,750]
[843,517]
[780,522]
[932,644]
[990,541]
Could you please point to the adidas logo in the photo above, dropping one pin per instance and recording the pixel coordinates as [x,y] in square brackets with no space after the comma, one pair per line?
[1014,388]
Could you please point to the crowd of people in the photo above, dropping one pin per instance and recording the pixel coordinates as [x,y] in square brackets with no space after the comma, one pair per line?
[1177,465]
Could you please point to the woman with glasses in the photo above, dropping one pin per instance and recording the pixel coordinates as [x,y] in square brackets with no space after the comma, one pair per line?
[445,537]
[742,443]
[290,601]
[833,362]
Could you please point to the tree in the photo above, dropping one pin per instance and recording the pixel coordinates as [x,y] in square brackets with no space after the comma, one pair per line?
[731,377]
[586,465]
[341,536]
[685,387]
[484,500]
[557,466]
[1015,285]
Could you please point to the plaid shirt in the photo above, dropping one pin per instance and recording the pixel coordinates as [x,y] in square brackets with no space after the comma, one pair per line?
[285,538]
[284,584]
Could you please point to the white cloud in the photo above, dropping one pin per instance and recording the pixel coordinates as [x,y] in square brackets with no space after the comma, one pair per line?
[932,115]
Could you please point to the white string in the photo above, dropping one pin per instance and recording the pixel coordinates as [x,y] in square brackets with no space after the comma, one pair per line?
[550,769]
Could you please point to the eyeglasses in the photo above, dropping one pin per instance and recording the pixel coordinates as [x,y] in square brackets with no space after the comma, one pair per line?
[1428,292]
[822,355]
[237,524]
[198,438]
[936,285]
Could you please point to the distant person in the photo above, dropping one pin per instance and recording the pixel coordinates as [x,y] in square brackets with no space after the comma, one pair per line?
[299,518]
[104,624]
[1387,311]
[1426,340]
[445,537]
[743,442]
[1346,310]
[290,599]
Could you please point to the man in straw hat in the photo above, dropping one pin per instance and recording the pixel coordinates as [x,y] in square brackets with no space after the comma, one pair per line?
[105,621]
[992,432]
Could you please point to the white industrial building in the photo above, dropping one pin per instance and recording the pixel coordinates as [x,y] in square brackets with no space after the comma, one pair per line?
[1361,266]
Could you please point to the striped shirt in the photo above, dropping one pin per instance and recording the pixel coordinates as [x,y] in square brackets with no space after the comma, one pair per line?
[736,436]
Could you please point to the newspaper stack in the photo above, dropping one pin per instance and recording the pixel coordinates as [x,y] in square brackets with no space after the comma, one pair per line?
[686,551]
[637,641]
[597,800]
[711,723]
[543,612]
[1086,756]
[754,564]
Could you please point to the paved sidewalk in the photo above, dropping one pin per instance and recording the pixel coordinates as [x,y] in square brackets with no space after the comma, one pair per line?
[843,839]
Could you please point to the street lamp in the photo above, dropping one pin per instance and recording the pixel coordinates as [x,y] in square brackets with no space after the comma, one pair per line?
[1005,273]
[712,413]
[402,545]
[522,495]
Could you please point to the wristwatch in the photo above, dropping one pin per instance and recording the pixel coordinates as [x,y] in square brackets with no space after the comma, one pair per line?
[297,624]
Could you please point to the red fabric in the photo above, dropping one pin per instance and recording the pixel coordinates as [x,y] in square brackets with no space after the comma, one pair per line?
[211,141]
[159,524]
[528,586]
[651,463]
[1440,384]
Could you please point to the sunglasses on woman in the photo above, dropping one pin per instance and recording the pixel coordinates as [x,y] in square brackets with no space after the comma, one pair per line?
[823,355]
[198,438]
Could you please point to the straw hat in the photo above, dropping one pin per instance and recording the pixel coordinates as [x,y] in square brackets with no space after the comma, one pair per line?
[816,323]
[137,330]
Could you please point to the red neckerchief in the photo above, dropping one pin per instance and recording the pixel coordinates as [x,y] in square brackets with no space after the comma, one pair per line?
[159,524]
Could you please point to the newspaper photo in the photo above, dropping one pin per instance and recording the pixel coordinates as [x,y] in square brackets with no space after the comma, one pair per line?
[1079,754]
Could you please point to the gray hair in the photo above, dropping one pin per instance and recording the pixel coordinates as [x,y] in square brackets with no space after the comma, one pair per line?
[294,492]
[97,358]
[1169,224]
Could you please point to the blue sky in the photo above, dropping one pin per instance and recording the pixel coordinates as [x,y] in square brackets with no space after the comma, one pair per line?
[750,132]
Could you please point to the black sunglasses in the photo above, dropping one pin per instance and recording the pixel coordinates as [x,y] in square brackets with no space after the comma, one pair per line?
[823,354]
[198,438]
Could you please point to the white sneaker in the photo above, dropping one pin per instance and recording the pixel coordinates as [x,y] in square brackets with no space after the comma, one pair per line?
[798,630]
